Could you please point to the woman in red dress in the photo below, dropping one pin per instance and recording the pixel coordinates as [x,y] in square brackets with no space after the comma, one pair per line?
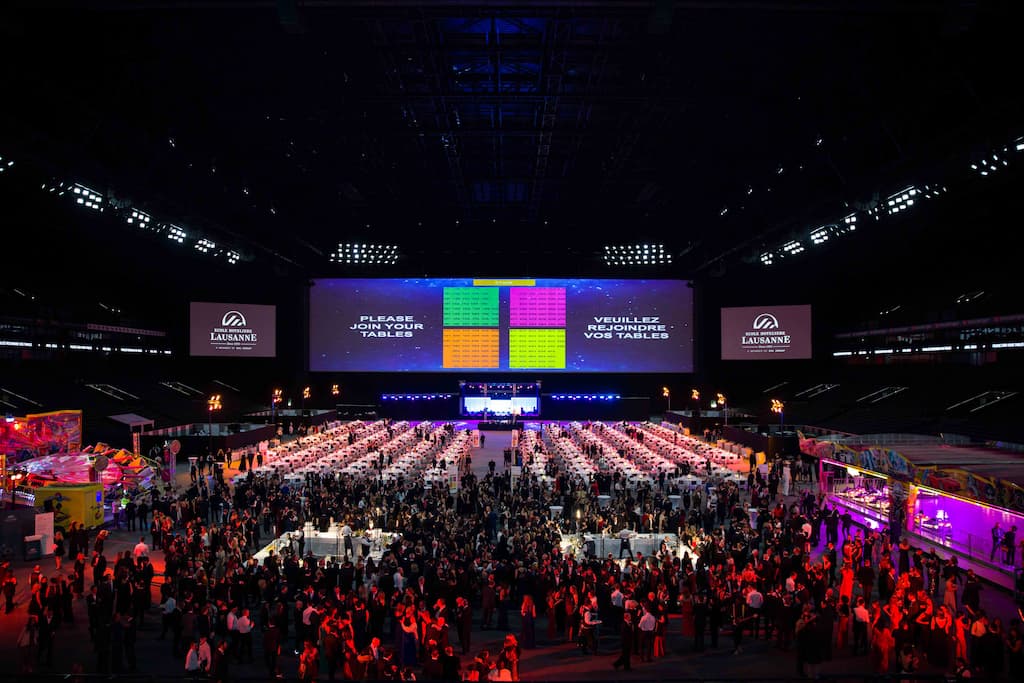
[686,602]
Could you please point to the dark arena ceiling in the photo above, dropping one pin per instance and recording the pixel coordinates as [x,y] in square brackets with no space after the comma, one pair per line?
[453,129]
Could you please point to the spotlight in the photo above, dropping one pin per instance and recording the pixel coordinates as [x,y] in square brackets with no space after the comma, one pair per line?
[175,234]
[139,218]
[820,235]
[205,246]
[90,199]
[636,254]
[902,200]
[376,254]
[792,248]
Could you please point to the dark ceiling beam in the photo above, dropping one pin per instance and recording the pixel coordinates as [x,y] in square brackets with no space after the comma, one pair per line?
[485,131]
[569,99]
[498,143]
[513,50]
[518,6]
[438,76]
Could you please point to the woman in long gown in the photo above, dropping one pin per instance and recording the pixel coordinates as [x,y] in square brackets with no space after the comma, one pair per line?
[571,615]
[560,615]
[904,560]
[939,643]
[949,597]
[409,634]
[527,632]
[686,602]
[553,604]
[961,627]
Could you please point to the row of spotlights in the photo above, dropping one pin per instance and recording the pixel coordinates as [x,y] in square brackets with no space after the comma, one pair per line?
[896,203]
[91,199]
[363,253]
[637,254]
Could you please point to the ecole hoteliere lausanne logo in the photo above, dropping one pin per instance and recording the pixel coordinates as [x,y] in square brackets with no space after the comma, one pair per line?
[765,336]
[234,333]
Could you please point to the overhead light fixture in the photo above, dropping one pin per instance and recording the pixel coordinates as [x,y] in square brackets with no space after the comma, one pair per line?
[365,254]
[821,235]
[90,199]
[902,200]
[139,218]
[175,234]
[233,257]
[792,248]
[636,254]
[205,246]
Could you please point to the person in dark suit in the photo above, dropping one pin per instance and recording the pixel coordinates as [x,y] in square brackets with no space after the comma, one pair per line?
[372,660]
[332,647]
[47,628]
[624,546]
[272,649]
[626,642]
[464,622]
[488,600]
[700,620]
[219,667]
[438,632]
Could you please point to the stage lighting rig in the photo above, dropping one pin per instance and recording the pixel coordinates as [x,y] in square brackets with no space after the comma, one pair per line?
[139,218]
[821,235]
[991,163]
[792,248]
[902,200]
[90,199]
[175,233]
[637,255]
[365,254]
[205,246]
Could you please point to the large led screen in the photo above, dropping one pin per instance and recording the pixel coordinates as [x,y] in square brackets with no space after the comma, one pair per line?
[240,330]
[766,332]
[455,325]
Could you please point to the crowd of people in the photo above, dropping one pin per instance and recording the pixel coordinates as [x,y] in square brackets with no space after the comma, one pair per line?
[796,573]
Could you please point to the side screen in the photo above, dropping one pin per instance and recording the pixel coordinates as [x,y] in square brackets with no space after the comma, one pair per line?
[240,330]
[766,333]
